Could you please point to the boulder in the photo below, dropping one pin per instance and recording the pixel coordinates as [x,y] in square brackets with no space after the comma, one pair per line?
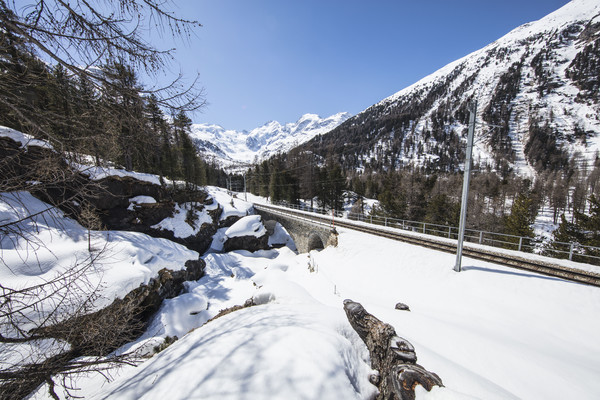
[250,243]
[248,233]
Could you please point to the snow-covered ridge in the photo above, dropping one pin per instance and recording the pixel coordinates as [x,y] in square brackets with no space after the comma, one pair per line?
[530,73]
[576,10]
[229,146]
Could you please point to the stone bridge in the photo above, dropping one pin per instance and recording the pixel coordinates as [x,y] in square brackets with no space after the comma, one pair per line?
[308,234]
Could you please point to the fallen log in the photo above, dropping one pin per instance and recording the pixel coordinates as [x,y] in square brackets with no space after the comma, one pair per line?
[392,356]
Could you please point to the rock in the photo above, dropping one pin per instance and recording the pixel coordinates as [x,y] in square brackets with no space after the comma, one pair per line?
[115,192]
[250,243]
[402,307]
[124,319]
[227,222]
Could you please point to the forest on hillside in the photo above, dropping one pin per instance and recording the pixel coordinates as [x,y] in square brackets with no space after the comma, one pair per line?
[407,151]
[103,115]
[503,204]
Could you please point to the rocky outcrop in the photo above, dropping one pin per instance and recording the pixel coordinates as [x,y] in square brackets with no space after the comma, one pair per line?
[249,233]
[250,243]
[56,183]
[103,331]
[117,214]
[92,337]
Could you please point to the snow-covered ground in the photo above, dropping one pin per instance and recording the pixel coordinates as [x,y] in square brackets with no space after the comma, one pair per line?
[490,332]
[46,246]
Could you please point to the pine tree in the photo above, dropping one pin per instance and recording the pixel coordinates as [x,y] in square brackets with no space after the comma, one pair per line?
[331,186]
[442,211]
[565,234]
[521,219]
[122,97]
[589,224]
[276,186]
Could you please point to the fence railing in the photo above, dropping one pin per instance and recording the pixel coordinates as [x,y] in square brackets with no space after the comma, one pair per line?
[565,250]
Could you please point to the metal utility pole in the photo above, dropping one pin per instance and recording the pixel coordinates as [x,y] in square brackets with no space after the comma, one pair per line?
[466,179]
[245,194]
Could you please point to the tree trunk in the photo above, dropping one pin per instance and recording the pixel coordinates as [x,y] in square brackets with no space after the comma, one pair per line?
[392,356]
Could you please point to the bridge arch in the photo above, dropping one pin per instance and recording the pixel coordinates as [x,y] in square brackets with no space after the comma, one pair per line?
[315,242]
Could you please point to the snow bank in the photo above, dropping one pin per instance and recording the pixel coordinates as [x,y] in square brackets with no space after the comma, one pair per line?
[137,200]
[97,173]
[490,332]
[232,206]
[264,352]
[292,346]
[247,226]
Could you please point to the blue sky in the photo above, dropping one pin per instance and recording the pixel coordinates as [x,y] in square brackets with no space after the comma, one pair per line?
[262,60]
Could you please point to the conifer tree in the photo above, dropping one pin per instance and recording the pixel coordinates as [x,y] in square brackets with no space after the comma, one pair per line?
[521,218]
[332,184]
[442,211]
[589,224]
[276,186]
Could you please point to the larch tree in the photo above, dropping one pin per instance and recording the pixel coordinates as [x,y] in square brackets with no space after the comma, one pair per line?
[54,85]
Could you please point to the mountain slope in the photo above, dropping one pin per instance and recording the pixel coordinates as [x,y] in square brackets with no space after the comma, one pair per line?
[229,146]
[537,90]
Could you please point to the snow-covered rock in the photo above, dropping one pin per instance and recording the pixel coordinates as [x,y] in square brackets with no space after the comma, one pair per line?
[248,226]
[248,233]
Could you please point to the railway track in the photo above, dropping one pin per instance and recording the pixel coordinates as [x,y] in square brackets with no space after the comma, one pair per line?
[545,267]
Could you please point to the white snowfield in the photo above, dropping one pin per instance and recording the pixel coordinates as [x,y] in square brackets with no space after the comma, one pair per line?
[52,244]
[490,332]
[24,139]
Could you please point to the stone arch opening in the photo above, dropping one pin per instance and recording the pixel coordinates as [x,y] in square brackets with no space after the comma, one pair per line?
[315,242]
[270,226]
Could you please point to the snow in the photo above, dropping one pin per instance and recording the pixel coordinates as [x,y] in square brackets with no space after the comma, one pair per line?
[230,147]
[180,224]
[52,244]
[247,226]
[490,332]
[41,246]
[23,138]
[137,200]
[259,353]
[231,204]
[97,173]
[142,200]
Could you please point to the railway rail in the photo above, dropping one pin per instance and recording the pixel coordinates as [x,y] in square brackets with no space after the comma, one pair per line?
[544,267]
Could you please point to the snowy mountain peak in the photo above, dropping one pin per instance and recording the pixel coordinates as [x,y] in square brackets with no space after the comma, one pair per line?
[229,146]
